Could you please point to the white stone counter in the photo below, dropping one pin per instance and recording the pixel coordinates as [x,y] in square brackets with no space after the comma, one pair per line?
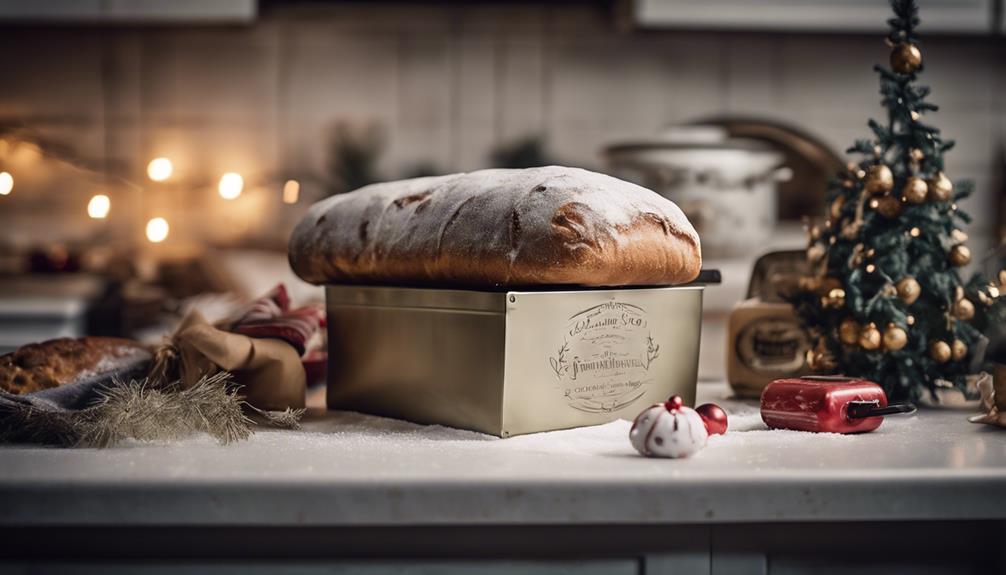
[347,469]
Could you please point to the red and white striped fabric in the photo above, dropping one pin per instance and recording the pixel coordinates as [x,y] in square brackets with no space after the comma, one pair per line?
[271,317]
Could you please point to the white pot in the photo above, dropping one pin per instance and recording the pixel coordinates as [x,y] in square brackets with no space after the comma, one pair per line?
[726,187]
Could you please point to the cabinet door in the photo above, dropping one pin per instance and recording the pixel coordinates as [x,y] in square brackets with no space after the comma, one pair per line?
[938,16]
[894,548]
[403,567]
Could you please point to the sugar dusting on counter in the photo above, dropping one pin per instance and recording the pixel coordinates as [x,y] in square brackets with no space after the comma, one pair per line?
[345,439]
[351,431]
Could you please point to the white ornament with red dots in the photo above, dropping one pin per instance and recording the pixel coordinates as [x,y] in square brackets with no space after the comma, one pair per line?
[672,430]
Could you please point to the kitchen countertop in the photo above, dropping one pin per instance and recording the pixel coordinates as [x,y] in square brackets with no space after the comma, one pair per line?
[346,469]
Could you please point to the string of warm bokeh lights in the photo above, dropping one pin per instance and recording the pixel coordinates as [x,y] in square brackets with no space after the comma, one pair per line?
[230,186]
[6,183]
[161,170]
[99,207]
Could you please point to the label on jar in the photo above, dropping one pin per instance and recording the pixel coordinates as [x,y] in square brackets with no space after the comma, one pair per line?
[773,346]
[604,361]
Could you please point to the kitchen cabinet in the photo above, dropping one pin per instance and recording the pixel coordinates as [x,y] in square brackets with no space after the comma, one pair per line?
[130,11]
[868,16]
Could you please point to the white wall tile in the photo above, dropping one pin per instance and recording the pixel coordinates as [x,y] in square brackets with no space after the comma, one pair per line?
[349,77]
[475,89]
[50,74]
[634,90]
[422,133]
[752,74]
[974,135]
[830,75]
[962,73]
[228,75]
[981,205]
[523,86]
[81,142]
[696,78]
[493,20]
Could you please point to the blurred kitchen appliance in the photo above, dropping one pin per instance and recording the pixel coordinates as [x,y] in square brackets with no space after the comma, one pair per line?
[812,161]
[726,186]
[766,339]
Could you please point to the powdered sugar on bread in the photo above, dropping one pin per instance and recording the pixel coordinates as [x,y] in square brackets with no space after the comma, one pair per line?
[550,225]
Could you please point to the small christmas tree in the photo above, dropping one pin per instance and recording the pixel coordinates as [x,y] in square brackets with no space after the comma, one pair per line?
[885,300]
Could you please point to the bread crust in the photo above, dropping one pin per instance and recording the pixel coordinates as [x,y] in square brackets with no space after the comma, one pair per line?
[498,228]
[63,361]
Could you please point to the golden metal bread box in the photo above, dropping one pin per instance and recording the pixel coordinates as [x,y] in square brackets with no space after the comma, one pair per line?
[511,362]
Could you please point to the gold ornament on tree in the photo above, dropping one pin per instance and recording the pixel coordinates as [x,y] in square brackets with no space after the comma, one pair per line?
[960,255]
[870,338]
[819,358]
[835,298]
[958,350]
[815,253]
[908,290]
[964,309]
[879,180]
[941,189]
[848,332]
[895,338]
[836,207]
[915,190]
[906,58]
[889,207]
[940,351]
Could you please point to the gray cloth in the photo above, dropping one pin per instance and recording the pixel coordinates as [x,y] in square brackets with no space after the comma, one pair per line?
[74,396]
[47,416]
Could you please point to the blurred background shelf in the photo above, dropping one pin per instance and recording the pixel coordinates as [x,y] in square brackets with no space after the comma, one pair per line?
[855,16]
[130,11]
[37,308]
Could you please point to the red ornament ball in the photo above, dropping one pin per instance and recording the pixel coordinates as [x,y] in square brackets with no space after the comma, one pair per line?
[714,417]
[674,403]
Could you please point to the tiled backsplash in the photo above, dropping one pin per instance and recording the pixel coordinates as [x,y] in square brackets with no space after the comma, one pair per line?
[447,83]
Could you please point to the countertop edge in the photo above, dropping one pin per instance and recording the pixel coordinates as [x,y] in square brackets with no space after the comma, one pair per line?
[319,504]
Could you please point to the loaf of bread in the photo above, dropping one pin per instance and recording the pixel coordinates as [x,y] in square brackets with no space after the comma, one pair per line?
[498,228]
[49,364]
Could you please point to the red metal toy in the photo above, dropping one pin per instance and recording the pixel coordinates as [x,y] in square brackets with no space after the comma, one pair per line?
[830,404]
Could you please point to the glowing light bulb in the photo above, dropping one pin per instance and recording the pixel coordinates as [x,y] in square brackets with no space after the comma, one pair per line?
[291,191]
[159,169]
[231,185]
[6,183]
[157,230]
[99,206]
